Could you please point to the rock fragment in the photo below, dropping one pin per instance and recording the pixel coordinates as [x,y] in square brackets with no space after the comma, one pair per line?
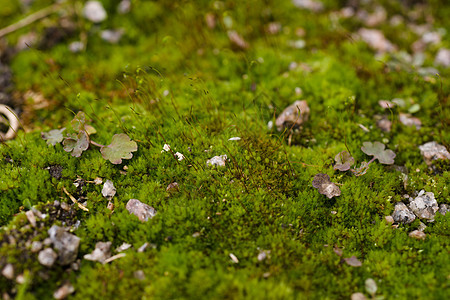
[101,252]
[8,271]
[94,11]
[358,296]
[444,208]
[31,218]
[409,120]
[402,214]
[108,190]
[311,5]
[218,161]
[47,257]
[66,244]
[443,58]
[293,116]
[433,151]
[376,40]
[139,274]
[36,246]
[143,211]
[417,234]
[424,205]
[112,36]
[64,291]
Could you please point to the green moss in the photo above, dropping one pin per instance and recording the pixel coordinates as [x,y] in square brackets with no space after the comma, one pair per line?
[172,79]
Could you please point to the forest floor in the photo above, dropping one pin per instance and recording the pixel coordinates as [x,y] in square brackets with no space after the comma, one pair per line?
[181,105]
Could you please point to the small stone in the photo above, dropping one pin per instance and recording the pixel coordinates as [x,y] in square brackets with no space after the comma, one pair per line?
[110,206]
[402,214]
[433,151]
[424,206]
[20,279]
[358,296]
[443,58]
[389,219]
[293,116]
[47,257]
[94,11]
[76,47]
[65,206]
[66,244]
[36,246]
[124,7]
[139,274]
[384,124]
[108,190]
[210,20]
[444,208]
[172,187]
[8,271]
[311,5]
[417,234]
[98,181]
[64,291]
[409,120]
[262,255]
[31,218]
[101,252]
[143,211]
[112,36]
[218,161]
[376,40]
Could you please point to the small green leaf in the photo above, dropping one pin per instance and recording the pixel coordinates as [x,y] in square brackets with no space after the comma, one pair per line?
[120,148]
[414,108]
[76,143]
[377,151]
[89,129]
[53,137]
[343,161]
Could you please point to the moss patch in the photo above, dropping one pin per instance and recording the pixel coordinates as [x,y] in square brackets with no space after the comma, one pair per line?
[172,79]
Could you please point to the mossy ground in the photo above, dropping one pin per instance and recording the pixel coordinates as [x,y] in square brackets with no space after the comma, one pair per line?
[172,79]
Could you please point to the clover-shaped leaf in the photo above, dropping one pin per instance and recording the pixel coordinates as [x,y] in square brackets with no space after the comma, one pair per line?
[378,152]
[362,169]
[76,143]
[343,161]
[78,121]
[53,137]
[325,186]
[120,148]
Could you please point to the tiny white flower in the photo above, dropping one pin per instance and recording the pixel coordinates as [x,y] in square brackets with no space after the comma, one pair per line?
[179,155]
